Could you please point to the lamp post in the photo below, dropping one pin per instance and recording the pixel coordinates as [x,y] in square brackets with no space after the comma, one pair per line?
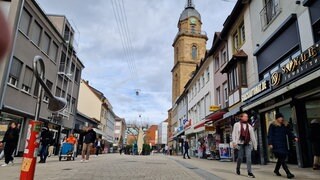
[32,141]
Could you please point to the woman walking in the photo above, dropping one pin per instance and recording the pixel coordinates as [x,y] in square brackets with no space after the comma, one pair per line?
[244,140]
[11,140]
[279,131]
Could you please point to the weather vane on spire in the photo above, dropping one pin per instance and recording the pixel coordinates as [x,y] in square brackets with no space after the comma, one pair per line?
[190,4]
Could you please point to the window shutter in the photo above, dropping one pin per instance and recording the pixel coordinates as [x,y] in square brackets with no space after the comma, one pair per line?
[15,68]
[28,75]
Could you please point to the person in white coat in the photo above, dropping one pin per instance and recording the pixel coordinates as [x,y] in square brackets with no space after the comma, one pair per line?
[243,139]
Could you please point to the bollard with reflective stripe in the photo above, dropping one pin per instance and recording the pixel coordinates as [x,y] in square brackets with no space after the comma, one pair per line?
[31,151]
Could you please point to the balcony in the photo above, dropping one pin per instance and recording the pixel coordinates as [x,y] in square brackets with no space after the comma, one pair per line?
[269,12]
[191,32]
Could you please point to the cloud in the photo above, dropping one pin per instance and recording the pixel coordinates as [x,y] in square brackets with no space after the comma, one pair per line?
[153,26]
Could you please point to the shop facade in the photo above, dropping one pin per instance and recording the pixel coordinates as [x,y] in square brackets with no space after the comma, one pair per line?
[289,85]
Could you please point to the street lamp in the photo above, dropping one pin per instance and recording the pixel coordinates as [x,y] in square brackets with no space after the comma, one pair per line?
[34,127]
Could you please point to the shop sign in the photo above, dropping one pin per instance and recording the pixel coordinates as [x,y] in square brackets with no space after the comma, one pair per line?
[225,151]
[296,67]
[210,128]
[214,108]
[259,88]
[188,124]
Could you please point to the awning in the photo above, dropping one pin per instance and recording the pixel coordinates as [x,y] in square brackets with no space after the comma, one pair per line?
[178,134]
[201,124]
[232,112]
[104,135]
[215,116]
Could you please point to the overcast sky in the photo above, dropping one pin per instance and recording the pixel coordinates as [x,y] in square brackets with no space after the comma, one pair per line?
[152,26]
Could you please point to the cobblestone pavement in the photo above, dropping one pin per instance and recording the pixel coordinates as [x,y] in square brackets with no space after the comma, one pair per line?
[114,166]
[110,166]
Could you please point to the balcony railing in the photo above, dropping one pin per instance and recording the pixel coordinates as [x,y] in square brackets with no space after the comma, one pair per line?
[269,12]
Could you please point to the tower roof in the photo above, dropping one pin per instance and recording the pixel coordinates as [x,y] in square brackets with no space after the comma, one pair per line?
[189,11]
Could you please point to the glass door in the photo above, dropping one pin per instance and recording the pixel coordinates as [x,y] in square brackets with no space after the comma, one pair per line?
[269,117]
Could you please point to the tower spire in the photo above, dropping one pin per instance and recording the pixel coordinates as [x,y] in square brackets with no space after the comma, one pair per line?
[190,4]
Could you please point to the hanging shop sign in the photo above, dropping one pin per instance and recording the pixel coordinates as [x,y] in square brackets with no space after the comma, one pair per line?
[188,124]
[302,64]
[259,88]
[214,108]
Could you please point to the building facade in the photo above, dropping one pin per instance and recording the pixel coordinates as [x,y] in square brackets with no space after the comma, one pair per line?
[119,132]
[162,133]
[35,34]
[287,52]
[189,48]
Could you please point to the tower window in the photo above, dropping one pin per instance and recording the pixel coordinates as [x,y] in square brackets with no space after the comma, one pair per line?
[194,52]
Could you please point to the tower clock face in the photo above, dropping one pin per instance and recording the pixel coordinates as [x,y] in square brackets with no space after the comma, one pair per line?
[193,20]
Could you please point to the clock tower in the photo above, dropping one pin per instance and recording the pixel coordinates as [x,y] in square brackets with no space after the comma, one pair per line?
[189,48]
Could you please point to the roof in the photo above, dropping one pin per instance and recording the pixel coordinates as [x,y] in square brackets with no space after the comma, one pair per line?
[189,11]
[240,55]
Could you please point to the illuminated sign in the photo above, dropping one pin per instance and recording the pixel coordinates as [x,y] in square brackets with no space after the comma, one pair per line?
[297,66]
[262,86]
[214,108]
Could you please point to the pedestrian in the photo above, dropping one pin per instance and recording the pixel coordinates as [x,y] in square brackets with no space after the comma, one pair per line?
[315,141]
[97,144]
[278,136]
[45,140]
[89,138]
[121,149]
[10,141]
[186,150]
[166,149]
[244,140]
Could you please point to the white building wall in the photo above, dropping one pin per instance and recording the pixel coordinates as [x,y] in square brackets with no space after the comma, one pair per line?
[287,8]
[198,105]
[162,133]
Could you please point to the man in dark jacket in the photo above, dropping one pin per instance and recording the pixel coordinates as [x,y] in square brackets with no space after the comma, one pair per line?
[89,137]
[186,150]
[11,140]
[315,141]
[45,140]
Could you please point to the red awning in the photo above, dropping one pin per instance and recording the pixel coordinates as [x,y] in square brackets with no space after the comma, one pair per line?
[200,125]
[215,116]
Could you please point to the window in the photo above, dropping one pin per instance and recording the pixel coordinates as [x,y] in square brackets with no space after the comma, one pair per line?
[199,86]
[233,78]
[27,80]
[218,96]
[269,12]
[62,62]
[67,33]
[193,29]
[225,94]
[15,71]
[36,33]
[53,52]
[72,69]
[68,101]
[73,105]
[63,94]
[67,66]
[49,85]
[242,34]
[77,75]
[65,84]
[45,43]
[216,63]
[208,75]
[36,88]
[58,92]
[203,80]
[25,22]
[239,37]
[196,89]
[194,52]
[243,74]
[223,56]
[235,41]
